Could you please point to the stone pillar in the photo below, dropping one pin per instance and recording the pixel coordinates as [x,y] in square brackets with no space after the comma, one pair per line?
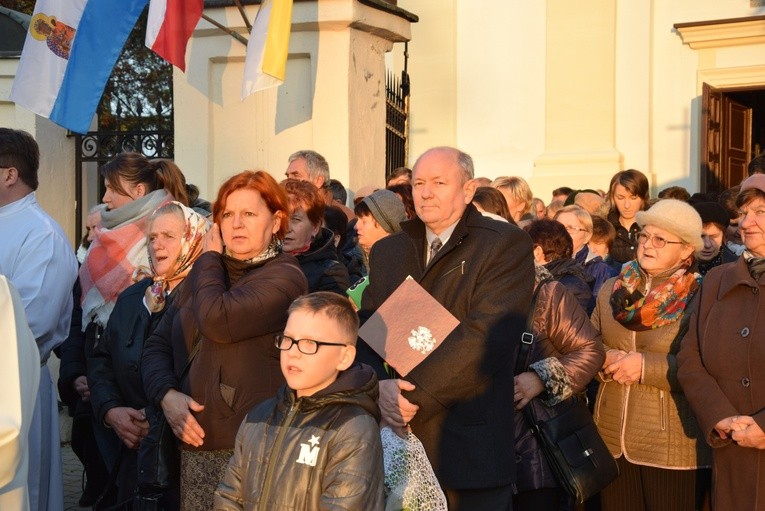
[332,101]
[580,98]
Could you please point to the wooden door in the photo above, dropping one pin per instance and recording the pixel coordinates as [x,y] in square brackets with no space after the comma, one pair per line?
[711,139]
[726,139]
[737,141]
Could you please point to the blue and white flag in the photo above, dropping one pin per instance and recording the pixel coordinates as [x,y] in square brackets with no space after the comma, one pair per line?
[69,54]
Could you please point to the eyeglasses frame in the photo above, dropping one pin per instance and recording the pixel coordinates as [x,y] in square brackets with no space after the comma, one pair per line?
[650,237]
[296,342]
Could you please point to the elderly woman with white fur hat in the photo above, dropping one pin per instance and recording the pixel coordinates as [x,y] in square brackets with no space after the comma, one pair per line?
[721,364]
[641,411]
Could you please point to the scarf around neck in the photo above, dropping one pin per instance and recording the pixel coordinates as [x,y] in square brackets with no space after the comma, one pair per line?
[755,265]
[118,249]
[236,268]
[664,304]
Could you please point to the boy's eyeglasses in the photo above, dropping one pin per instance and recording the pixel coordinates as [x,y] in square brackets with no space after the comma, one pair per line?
[306,346]
[658,241]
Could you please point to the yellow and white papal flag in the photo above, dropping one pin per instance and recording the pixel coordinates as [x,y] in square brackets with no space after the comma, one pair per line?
[267,49]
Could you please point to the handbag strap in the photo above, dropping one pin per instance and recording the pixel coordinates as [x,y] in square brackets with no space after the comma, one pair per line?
[527,337]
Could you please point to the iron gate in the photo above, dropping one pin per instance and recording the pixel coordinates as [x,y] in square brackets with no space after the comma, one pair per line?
[397,119]
[98,147]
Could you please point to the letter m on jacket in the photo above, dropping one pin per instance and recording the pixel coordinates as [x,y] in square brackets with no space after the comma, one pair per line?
[308,455]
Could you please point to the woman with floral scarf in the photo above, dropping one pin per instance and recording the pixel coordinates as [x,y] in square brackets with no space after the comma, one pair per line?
[175,239]
[641,411]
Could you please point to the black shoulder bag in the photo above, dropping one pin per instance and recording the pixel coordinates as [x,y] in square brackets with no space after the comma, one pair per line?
[158,453]
[579,459]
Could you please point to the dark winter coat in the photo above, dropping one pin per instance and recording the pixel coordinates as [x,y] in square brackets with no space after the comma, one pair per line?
[310,453]
[234,309]
[484,276]
[566,354]
[721,367]
[72,355]
[322,267]
[351,254]
[599,271]
[114,375]
[725,255]
[624,247]
[571,274]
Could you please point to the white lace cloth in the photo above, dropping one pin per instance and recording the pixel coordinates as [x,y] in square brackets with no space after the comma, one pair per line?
[410,483]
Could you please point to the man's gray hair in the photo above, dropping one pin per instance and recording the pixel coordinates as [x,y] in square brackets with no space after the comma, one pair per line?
[466,164]
[317,164]
[464,160]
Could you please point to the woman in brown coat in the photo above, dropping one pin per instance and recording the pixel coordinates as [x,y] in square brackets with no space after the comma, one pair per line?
[232,303]
[640,408]
[722,363]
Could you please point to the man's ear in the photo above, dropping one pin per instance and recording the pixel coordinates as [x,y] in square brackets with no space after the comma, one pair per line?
[346,360]
[469,189]
[9,177]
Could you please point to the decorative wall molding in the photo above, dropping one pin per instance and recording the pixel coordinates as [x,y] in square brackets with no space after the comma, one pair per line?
[724,32]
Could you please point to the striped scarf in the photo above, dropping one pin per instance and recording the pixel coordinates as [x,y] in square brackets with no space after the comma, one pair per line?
[117,251]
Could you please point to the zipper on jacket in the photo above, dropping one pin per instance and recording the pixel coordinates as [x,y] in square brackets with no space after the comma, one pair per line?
[626,403]
[661,403]
[460,267]
[286,423]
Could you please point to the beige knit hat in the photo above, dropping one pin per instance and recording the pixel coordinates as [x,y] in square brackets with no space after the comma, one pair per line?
[677,217]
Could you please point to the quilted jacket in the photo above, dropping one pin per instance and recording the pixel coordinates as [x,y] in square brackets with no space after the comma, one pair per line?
[566,355]
[320,452]
[650,422]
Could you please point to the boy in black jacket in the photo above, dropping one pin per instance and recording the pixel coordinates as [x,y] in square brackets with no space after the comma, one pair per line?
[317,444]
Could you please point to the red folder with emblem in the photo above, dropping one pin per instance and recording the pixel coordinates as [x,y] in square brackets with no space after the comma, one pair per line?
[408,327]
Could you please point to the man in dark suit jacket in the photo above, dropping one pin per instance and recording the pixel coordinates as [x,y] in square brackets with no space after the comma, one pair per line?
[459,401]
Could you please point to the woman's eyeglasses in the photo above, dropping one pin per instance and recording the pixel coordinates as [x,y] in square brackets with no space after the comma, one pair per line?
[306,346]
[658,241]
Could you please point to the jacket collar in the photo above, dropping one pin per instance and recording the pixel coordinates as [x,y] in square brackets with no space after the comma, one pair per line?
[357,385]
[735,274]
[415,229]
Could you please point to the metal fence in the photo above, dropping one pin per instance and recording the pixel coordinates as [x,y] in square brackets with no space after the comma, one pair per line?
[98,147]
[396,121]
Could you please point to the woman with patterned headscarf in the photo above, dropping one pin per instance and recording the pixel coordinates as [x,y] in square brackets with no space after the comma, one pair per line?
[221,328]
[175,239]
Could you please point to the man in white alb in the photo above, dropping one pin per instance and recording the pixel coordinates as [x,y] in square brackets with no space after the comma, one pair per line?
[39,261]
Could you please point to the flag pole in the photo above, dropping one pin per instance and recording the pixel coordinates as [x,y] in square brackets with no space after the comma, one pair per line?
[244,15]
[235,35]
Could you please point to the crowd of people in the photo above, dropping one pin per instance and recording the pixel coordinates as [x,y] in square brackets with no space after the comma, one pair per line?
[210,355]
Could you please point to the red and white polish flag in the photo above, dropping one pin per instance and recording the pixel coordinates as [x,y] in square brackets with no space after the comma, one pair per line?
[169,28]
